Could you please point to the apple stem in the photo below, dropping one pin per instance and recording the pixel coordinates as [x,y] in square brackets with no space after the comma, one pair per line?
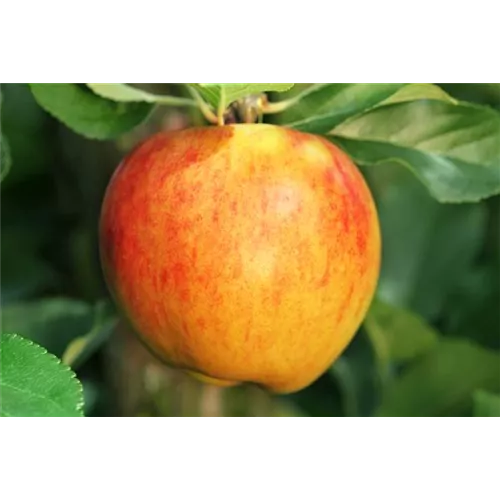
[205,109]
[269,108]
[251,108]
[222,107]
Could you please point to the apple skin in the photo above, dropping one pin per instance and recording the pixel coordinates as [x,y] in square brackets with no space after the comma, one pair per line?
[241,253]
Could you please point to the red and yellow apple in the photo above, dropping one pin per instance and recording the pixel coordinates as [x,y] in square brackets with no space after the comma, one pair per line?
[241,253]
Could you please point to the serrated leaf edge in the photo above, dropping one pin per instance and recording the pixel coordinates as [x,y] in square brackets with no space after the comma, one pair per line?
[66,368]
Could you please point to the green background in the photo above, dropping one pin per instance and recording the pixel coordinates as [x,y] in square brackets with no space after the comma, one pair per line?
[430,344]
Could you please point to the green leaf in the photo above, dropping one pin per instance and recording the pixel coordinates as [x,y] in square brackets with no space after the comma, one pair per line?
[322,107]
[34,383]
[486,404]
[415,91]
[480,93]
[122,92]
[87,113]
[443,381]
[5,158]
[213,93]
[452,148]
[427,245]
[398,334]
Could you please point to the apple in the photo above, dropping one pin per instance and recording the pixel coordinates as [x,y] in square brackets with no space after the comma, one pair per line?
[241,253]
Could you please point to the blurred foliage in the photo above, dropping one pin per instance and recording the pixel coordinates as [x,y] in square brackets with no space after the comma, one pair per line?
[479,93]
[486,404]
[431,341]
